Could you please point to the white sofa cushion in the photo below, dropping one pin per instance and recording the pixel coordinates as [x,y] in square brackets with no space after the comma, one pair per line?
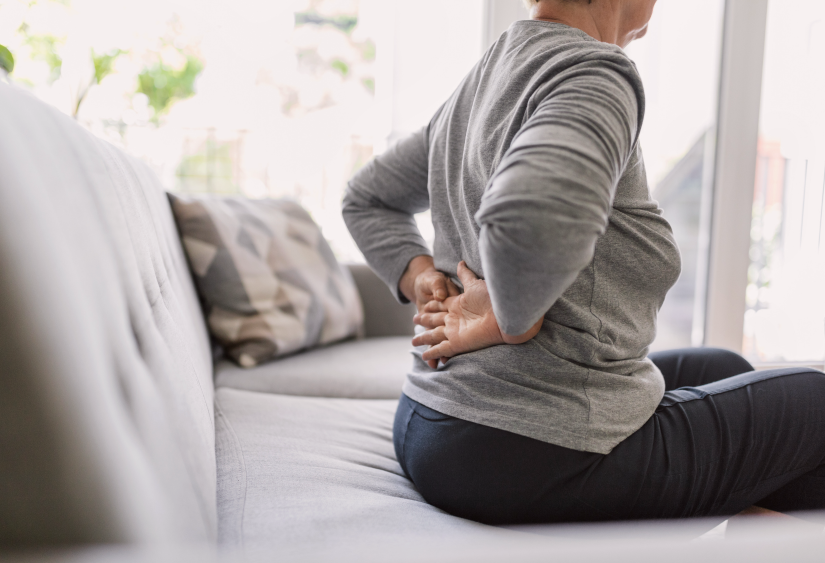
[106,417]
[316,471]
[372,368]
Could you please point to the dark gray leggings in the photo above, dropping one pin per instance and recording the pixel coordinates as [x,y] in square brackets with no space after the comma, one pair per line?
[718,443]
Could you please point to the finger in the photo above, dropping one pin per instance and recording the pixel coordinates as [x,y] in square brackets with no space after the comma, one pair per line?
[439,351]
[432,363]
[439,288]
[430,320]
[465,274]
[452,289]
[435,307]
[427,320]
[444,359]
[430,337]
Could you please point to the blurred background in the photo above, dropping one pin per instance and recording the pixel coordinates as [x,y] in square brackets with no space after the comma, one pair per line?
[290,98]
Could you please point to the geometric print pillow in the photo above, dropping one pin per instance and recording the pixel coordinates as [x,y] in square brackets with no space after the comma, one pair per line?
[267,276]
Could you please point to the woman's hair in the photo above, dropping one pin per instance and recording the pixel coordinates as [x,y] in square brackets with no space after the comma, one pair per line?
[530,3]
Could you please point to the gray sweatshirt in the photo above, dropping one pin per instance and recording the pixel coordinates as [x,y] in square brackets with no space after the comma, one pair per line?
[534,177]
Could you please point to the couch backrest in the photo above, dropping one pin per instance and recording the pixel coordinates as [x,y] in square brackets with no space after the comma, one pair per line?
[106,393]
[383,315]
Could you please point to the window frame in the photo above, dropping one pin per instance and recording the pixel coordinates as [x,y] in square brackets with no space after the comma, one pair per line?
[734,173]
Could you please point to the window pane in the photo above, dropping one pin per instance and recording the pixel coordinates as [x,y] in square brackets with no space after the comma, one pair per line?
[265,98]
[785,318]
[680,75]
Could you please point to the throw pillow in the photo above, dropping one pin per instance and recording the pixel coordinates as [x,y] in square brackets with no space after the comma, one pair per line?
[269,280]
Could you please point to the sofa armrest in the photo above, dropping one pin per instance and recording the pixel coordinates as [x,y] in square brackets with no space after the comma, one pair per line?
[383,315]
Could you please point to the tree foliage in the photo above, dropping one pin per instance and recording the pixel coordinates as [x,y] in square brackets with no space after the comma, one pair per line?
[46,48]
[345,23]
[104,63]
[164,85]
[6,59]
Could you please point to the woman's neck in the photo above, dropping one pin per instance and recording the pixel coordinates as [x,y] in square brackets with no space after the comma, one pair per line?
[604,20]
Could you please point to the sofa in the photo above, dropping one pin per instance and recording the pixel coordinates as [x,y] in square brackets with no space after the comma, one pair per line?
[117,427]
[120,426]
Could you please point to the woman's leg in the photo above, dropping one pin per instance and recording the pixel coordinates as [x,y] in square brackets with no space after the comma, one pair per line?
[698,366]
[757,438]
[691,367]
[718,448]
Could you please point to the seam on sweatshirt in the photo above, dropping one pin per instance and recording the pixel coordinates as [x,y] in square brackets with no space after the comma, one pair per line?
[590,306]
[589,409]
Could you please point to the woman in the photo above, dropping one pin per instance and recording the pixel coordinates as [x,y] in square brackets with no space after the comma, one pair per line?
[532,398]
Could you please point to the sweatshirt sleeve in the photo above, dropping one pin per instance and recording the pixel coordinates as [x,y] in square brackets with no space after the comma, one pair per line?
[551,195]
[380,203]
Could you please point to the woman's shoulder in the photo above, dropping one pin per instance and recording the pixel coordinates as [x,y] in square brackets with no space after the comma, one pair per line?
[547,50]
[544,54]
[551,38]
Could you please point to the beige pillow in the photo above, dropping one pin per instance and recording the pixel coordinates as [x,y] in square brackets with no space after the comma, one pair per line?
[269,280]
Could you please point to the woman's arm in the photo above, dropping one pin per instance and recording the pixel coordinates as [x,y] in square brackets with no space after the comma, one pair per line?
[552,193]
[378,209]
[548,202]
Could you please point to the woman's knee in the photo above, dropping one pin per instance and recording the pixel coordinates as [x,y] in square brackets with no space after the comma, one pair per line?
[778,399]
[691,367]
[727,360]
[802,383]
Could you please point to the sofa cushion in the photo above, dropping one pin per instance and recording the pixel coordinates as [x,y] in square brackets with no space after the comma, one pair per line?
[372,368]
[315,471]
[106,397]
[268,277]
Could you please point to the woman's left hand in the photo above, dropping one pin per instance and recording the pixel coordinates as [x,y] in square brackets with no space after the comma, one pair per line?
[469,323]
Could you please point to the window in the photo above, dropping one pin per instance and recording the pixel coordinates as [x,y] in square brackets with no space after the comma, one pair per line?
[266,99]
[785,316]
[290,98]
[680,76]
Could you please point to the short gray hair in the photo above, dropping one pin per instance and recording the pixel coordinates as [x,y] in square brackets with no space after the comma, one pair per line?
[530,3]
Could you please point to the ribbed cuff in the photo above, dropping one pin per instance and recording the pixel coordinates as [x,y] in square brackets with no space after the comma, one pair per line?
[392,273]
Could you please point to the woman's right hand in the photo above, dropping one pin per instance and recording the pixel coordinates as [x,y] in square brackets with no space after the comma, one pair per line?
[422,283]
[464,323]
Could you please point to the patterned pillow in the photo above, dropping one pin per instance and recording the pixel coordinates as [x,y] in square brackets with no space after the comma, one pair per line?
[269,280]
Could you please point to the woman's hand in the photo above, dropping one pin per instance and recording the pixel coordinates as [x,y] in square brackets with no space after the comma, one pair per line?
[422,283]
[463,323]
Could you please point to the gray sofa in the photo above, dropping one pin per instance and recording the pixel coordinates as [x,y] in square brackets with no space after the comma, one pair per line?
[117,428]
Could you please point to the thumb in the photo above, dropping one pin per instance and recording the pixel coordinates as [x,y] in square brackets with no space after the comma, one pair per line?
[465,274]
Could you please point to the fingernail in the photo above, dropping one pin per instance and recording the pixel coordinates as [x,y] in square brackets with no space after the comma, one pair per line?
[440,294]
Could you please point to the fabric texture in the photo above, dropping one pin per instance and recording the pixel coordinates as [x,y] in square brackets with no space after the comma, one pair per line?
[269,279]
[106,400]
[711,450]
[533,176]
[319,472]
[373,368]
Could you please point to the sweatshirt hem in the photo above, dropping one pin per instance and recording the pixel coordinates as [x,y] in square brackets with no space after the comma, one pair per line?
[555,436]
